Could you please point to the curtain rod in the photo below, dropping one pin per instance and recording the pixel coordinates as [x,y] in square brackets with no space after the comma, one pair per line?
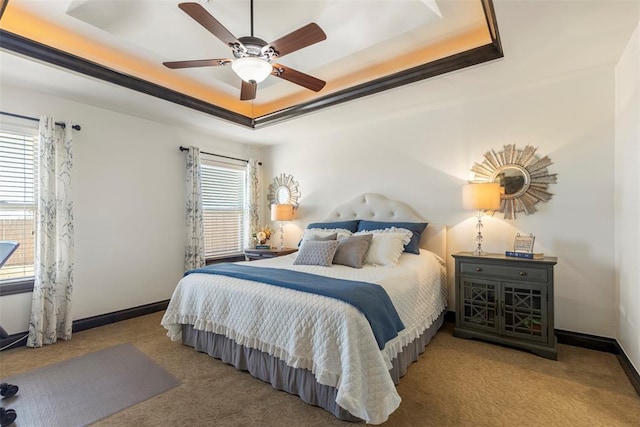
[219,155]
[61,124]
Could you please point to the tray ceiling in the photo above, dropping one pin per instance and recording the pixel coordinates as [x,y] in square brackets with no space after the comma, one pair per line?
[371,46]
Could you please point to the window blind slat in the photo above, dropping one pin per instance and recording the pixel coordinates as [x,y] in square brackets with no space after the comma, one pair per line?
[18,198]
[223,201]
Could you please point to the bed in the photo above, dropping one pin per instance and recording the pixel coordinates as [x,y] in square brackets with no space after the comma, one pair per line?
[322,349]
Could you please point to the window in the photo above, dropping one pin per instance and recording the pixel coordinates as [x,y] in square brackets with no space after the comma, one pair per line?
[18,200]
[223,202]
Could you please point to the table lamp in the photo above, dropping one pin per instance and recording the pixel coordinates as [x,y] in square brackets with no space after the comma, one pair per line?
[281,213]
[481,197]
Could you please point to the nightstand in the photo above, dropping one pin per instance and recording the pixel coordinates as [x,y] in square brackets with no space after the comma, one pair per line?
[252,254]
[506,300]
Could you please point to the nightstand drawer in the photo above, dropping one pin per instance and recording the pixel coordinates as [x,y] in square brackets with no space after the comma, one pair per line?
[262,254]
[257,254]
[504,271]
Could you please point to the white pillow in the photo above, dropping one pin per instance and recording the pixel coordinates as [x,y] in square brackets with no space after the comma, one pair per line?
[386,245]
[324,232]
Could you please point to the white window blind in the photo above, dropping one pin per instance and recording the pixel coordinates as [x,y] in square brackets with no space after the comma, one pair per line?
[18,199]
[223,201]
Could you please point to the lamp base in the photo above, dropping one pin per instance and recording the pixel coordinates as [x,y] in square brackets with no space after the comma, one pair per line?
[479,251]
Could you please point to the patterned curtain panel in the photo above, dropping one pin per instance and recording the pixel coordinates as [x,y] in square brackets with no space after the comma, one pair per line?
[252,210]
[53,286]
[194,251]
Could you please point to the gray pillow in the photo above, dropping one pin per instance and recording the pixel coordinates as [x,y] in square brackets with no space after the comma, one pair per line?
[316,252]
[352,249]
[315,237]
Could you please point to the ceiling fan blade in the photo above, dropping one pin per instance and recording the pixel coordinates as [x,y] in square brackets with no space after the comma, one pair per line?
[248,91]
[296,40]
[297,77]
[197,63]
[205,19]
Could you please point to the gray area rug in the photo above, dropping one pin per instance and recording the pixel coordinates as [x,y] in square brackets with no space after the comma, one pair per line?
[87,388]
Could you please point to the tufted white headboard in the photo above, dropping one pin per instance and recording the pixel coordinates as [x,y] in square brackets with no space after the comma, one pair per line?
[377,207]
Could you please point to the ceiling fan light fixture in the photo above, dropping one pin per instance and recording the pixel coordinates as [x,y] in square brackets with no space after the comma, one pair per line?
[254,55]
[251,69]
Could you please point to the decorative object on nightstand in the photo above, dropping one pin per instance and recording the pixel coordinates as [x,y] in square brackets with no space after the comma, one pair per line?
[261,236]
[256,254]
[523,248]
[281,213]
[481,197]
[505,300]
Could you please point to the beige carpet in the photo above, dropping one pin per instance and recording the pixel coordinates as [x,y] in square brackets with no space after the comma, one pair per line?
[456,382]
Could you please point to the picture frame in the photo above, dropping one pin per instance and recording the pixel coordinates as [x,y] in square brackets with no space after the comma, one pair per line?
[523,243]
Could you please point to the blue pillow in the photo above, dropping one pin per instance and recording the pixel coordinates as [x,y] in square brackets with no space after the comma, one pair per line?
[351,225]
[413,247]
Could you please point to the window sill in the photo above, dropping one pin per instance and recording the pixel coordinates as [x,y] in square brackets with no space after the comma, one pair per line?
[12,287]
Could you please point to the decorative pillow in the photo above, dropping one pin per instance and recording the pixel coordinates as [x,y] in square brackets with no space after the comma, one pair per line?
[351,225]
[352,249]
[417,228]
[323,232]
[386,245]
[321,238]
[313,252]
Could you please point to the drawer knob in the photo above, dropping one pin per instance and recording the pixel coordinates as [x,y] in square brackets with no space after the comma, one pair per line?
[523,273]
[478,269]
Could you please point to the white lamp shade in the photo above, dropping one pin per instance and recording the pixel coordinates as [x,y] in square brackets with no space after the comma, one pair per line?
[281,212]
[481,196]
[251,69]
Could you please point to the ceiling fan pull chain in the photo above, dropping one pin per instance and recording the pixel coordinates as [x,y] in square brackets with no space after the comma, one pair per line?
[251,18]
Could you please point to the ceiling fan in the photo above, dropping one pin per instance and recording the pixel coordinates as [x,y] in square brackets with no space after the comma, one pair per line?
[253,56]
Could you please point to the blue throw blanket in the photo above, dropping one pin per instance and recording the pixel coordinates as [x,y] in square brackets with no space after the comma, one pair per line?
[371,299]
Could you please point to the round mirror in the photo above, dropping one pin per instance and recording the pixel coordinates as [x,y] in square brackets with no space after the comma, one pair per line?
[283,195]
[523,176]
[284,191]
[513,179]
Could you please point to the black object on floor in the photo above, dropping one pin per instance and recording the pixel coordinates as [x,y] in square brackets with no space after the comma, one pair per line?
[7,417]
[8,390]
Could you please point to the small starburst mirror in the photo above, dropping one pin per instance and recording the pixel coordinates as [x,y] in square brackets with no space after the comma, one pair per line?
[523,177]
[284,190]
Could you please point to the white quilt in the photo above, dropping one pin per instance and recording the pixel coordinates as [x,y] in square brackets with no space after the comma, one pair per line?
[329,337]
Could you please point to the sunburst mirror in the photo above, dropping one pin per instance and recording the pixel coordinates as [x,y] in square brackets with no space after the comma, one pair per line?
[521,173]
[284,190]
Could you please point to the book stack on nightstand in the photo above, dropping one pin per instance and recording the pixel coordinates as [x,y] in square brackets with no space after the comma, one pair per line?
[253,254]
[526,255]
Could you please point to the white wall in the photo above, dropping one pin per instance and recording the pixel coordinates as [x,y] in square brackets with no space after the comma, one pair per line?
[129,195]
[627,198]
[423,156]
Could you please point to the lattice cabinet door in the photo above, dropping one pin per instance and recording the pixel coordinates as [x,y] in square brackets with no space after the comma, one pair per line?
[524,311]
[479,304]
